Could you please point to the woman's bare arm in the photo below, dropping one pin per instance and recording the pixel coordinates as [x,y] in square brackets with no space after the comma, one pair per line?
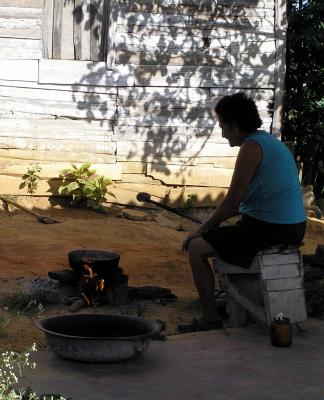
[248,159]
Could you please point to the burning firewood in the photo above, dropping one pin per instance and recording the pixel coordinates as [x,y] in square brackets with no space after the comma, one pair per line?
[92,286]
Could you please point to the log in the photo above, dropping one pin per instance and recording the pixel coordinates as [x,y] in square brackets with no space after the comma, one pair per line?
[65,276]
[193,175]
[21,12]
[89,89]
[151,292]
[61,128]
[133,41]
[190,7]
[17,49]
[258,77]
[22,3]
[223,18]
[174,121]
[58,96]
[80,109]
[165,95]
[57,145]
[20,23]
[142,133]
[51,170]
[84,73]
[53,156]
[20,33]
[172,57]
[19,70]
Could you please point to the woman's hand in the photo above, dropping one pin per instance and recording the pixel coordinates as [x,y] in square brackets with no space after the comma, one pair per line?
[191,236]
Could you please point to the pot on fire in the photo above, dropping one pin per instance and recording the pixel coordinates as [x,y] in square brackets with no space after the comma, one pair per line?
[98,337]
[103,262]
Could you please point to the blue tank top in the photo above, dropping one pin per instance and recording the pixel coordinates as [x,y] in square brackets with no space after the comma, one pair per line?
[274,194]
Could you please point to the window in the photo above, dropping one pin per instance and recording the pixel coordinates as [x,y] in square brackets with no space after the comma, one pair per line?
[76,29]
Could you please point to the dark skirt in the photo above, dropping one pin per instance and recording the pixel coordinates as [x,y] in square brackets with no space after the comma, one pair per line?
[238,244]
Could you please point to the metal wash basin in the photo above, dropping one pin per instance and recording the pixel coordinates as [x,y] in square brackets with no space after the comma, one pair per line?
[98,337]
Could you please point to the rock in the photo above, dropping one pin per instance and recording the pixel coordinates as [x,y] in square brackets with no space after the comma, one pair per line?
[77,305]
[114,210]
[65,276]
[171,221]
[137,215]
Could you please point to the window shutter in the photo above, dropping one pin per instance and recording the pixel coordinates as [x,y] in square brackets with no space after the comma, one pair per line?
[76,29]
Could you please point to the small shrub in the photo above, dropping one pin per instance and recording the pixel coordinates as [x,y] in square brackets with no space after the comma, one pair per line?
[12,365]
[3,322]
[85,186]
[23,303]
[31,179]
[191,197]
[10,362]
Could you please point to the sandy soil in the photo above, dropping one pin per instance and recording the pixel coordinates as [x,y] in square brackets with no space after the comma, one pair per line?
[150,254]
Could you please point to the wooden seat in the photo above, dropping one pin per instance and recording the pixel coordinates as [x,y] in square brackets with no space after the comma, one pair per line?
[273,284]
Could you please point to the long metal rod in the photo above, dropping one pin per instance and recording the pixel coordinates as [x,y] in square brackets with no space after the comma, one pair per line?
[146,198]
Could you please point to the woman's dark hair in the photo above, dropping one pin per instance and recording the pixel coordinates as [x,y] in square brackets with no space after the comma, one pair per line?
[240,110]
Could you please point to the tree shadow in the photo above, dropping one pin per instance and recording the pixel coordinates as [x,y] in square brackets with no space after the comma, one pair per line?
[173,63]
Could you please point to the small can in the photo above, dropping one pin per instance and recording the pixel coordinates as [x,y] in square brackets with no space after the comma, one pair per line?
[281,332]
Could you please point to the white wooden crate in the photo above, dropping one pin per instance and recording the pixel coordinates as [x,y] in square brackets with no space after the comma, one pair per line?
[280,271]
[282,279]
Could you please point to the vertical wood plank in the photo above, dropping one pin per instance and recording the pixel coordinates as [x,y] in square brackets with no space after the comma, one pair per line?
[67,45]
[57,28]
[47,28]
[104,30]
[111,29]
[96,24]
[85,31]
[78,17]
[280,64]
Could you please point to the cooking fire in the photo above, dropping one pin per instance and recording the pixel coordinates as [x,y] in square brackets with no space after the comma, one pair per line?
[95,279]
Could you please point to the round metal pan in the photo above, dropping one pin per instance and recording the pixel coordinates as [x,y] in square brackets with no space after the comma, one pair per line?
[98,337]
[104,262]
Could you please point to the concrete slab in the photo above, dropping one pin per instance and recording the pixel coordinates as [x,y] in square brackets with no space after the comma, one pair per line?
[217,365]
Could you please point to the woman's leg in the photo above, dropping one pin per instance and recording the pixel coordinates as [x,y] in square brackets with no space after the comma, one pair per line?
[199,251]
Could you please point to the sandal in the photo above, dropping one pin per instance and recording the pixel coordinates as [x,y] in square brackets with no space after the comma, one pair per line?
[200,326]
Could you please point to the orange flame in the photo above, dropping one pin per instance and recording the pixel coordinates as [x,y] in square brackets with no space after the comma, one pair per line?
[93,284]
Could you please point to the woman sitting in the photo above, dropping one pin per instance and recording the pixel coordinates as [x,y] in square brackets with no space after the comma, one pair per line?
[264,190]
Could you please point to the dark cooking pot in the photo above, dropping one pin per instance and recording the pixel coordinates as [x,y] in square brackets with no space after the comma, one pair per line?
[98,337]
[103,262]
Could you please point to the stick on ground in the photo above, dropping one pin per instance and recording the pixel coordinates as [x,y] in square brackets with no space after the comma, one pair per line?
[40,218]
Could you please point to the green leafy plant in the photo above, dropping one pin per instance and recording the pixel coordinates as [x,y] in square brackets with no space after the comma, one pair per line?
[191,197]
[31,179]
[85,186]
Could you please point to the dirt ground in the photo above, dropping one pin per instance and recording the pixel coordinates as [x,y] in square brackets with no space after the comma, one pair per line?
[150,254]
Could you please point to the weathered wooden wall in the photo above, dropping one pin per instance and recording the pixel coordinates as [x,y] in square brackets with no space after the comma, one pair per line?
[147,122]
